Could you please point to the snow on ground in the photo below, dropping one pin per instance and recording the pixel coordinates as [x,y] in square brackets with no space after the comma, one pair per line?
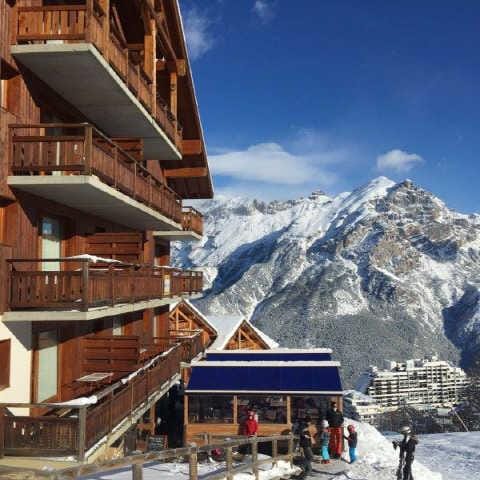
[179,471]
[456,455]
[377,460]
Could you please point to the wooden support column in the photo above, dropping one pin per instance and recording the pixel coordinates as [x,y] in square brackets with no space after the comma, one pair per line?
[235,409]
[173,93]
[255,459]
[289,409]
[137,471]
[193,465]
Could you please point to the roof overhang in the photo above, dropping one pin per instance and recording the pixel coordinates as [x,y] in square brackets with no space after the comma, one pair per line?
[81,75]
[89,194]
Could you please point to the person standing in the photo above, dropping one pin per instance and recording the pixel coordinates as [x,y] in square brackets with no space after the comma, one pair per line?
[306,445]
[335,420]
[407,453]
[324,440]
[250,429]
[352,440]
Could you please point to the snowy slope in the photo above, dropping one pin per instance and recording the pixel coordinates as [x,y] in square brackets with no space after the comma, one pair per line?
[379,461]
[456,455]
[385,271]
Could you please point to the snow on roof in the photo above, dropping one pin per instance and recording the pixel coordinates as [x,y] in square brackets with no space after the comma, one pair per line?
[226,326]
[199,313]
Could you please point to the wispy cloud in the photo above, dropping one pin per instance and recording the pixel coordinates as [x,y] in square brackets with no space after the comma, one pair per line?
[264,10]
[398,161]
[271,170]
[198,33]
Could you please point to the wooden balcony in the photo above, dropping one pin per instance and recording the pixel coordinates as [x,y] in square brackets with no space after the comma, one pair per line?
[76,165]
[81,290]
[118,407]
[72,49]
[192,227]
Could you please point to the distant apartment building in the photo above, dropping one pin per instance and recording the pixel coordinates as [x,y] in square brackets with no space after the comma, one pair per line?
[428,382]
[361,407]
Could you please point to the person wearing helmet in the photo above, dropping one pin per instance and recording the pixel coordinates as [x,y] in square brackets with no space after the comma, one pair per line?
[407,453]
[352,443]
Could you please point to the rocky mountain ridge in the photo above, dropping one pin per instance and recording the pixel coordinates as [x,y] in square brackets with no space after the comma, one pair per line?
[385,271]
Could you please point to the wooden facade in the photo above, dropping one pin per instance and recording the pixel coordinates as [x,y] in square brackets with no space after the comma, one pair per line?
[245,337]
[47,139]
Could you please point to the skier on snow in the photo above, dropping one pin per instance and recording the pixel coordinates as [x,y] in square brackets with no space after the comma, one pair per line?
[407,453]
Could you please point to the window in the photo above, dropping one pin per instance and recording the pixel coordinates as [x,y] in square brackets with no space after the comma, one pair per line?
[270,409]
[51,242]
[4,363]
[210,409]
[117,325]
[47,365]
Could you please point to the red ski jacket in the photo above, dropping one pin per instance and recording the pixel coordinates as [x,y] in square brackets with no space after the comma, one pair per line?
[250,427]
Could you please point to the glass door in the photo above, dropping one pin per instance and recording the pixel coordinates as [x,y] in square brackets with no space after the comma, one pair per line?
[47,365]
[51,243]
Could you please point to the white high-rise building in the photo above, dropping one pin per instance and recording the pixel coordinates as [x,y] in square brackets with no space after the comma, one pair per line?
[428,382]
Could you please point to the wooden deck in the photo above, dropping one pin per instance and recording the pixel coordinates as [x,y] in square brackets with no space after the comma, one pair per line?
[83,150]
[82,286]
[90,23]
[72,430]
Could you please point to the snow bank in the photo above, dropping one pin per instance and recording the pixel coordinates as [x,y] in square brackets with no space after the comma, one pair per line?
[456,455]
[378,460]
[179,471]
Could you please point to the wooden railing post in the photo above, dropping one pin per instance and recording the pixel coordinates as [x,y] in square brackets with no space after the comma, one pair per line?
[112,285]
[229,462]
[88,150]
[137,471]
[193,464]
[255,458]
[82,432]
[274,451]
[85,286]
[2,431]
[290,449]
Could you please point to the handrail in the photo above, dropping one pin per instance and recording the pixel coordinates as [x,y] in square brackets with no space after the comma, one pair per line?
[137,461]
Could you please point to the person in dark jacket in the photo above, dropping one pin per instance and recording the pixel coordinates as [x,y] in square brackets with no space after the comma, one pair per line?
[352,440]
[335,420]
[306,445]
[407,453]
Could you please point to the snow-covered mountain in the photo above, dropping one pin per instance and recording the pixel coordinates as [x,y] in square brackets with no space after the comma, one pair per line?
[386,271]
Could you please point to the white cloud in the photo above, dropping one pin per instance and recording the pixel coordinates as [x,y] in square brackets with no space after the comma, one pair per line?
[398,161]
[264,10]
[270,163]
[197,32]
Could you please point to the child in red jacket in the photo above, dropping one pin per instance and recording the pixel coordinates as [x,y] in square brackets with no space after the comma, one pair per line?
[250,427]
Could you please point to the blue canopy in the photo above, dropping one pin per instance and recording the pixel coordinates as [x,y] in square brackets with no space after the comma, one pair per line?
[269,355]
[296,378]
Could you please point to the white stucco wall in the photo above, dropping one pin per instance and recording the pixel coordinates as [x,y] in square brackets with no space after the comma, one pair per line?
[20,334]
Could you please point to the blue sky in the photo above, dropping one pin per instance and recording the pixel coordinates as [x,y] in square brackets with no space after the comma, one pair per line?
[326,94]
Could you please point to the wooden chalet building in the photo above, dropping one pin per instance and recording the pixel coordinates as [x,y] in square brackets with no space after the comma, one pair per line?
[226,332]
[242,368]
[100,145]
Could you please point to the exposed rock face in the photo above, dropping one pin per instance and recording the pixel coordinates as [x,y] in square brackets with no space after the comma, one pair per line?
[387,271]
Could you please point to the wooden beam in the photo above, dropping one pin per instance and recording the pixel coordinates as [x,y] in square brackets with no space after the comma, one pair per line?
[194,172]
[173,93]
[192,147]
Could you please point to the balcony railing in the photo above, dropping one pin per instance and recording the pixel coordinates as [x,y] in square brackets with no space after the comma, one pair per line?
[192,220]
[81,285]
[75,432]
[82,149]
[88,23]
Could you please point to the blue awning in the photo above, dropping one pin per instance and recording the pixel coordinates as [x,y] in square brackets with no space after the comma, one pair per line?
[296,378]
[267,355]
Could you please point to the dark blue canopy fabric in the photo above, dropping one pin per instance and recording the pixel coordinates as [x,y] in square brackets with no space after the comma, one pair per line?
[271,379]
[268,356]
